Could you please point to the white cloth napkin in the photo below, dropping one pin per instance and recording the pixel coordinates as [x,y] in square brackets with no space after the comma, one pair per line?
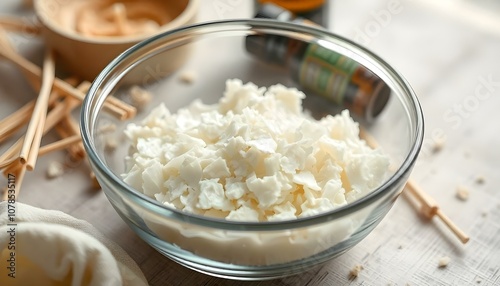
[54,248]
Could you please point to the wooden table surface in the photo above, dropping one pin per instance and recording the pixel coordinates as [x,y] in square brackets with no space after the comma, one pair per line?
[450,53]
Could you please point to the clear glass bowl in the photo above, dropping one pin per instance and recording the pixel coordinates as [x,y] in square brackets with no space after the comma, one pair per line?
[214,52]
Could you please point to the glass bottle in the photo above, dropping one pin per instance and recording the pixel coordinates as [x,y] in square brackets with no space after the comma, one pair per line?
[318,68]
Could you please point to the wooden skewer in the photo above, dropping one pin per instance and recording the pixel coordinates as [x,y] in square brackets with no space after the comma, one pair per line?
[16,24]
[54,116]
[428,207]
[464,238]
[7,163]
[59,145]
[29,150]
[129,109]
[19,171]
[12,168]
[66,129]
[13,119]
[10,124]
[55,146]
[34,73]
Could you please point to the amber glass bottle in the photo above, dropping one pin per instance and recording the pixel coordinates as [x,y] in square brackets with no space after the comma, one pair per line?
[319,69]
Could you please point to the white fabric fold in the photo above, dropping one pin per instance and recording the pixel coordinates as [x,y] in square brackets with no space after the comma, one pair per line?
[54,248]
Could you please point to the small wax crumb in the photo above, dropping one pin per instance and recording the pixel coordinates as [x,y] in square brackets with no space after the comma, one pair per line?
[139,96]
[355,271]
[55,170]
[110,144]
[106,128]
[443,261]
[400,247]
[462,193]
[438,145]
[484,214]
[480,179]
[187,77]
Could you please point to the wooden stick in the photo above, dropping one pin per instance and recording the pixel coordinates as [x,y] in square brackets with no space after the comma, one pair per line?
[16,147]
[428,207]
[66,128]
[10,124]
[7,163]
[129,109]
[77,151]
[464,238]
[29,151]
[13,119]
[16,24]
[4,41]
[34,73]
[59,145]
[54,116]
[19,172]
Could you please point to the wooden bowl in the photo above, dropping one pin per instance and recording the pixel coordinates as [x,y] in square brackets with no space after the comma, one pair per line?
[86,56]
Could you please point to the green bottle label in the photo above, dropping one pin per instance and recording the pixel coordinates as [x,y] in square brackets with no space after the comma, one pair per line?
[326,72]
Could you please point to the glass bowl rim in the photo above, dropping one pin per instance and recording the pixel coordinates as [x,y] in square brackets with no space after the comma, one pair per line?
[372,59]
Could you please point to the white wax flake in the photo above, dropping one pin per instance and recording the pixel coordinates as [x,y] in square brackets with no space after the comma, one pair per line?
[267,190]
[244,213]
[306,179]
[149,147]
[212,196]
[285,211]
[315,207]
[235,188]
[152,179]
[217,169]
[334,191]
[265,145]
[190,171]
[134,177]
[253,156]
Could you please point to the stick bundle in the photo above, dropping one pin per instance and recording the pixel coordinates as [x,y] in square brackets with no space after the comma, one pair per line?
[50,110]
